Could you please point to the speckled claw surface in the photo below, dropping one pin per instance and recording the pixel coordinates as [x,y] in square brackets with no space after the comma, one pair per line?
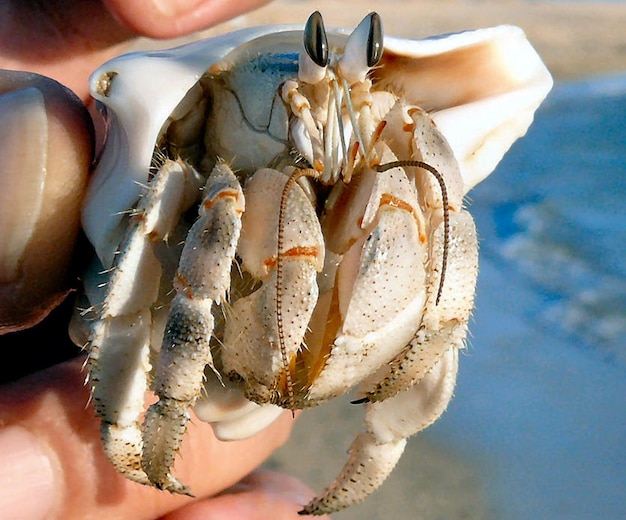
[278,219]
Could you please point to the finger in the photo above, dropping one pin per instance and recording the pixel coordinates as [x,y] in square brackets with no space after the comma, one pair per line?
[66,41]
[261,495]
[172,18]
[50,449]
[46,141]
[62,40]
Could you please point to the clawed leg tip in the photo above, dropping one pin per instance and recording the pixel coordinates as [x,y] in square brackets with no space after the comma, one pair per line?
[176,488]
[363,400]
[312,509]
[182,490]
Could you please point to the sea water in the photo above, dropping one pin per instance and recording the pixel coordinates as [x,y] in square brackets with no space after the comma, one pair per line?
[541,396]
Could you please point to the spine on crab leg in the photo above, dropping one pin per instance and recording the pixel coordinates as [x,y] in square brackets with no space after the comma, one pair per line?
[119,343]
[202,280]
[374,453]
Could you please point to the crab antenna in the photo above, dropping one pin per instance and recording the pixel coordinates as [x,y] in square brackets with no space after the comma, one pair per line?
[446,212]
[330,152]
[355,126]
[293,178]
[342,134]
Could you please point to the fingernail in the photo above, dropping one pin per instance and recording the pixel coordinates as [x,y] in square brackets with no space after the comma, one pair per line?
[172,8]
[27,488]
[291,490]
[274,484]
[23,155]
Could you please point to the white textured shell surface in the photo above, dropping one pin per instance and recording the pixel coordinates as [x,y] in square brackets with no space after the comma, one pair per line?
[342,210]
[480,87]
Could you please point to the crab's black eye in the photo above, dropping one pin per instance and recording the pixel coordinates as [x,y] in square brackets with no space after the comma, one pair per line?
[374,40]
[315,40]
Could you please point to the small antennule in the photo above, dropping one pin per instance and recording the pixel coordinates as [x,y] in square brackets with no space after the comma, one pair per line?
[446,211]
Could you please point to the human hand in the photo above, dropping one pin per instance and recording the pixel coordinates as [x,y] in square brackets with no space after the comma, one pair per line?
[51,461]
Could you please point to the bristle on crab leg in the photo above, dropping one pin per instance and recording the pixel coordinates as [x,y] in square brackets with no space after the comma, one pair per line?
[202,280]
[119,342]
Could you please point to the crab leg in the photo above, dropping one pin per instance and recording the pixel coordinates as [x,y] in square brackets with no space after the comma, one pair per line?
[119,343]
[375,452]
[202,280]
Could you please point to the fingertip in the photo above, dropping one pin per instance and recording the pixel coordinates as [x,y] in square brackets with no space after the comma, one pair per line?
[173,18]
[28,488]
[46,142]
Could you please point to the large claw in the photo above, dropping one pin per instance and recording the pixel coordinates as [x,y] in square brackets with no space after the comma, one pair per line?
[444,324]
[409,392]
[379,290]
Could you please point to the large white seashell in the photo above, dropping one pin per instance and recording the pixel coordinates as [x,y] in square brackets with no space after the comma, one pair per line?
[481,88]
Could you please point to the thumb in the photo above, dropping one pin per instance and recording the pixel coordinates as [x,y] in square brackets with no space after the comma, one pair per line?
[45,150]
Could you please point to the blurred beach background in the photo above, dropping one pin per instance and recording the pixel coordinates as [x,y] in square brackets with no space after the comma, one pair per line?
[537,428]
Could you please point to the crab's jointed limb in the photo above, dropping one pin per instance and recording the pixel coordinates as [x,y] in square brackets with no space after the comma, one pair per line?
[202,281]
[409,392]
[375,452]
[119,341]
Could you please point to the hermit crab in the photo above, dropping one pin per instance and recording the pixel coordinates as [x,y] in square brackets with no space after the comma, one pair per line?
[278,220]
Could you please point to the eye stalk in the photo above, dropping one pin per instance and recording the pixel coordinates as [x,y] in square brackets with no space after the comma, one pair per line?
[314,58]
[363,49]
[315,40]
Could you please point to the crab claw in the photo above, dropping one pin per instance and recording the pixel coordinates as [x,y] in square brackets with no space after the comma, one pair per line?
[268,372]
